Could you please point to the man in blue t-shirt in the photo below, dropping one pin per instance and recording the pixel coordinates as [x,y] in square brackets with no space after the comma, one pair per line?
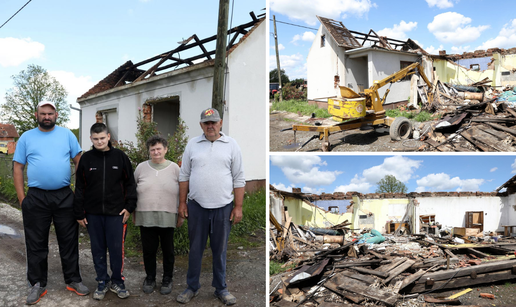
[47,151]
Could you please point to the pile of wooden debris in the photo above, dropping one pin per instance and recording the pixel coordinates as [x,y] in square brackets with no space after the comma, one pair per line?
[331,272]
[473,118]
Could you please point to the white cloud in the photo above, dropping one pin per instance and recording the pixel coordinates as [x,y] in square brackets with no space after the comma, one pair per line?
[74,85]
[280,47]
[433,50]
[14,51]
[307,37]
[460,49]
[306,10]
[294,65]
[505,38]
[398,31]
[442,4]
[400,167]
[493,169]
[304,170]
[312,190]
[443,182]
[452,27]
[513,166]
[356,185]
[282,187]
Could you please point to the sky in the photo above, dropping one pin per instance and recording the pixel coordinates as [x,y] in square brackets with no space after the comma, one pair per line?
[420,173]
[456,26]
[81,42]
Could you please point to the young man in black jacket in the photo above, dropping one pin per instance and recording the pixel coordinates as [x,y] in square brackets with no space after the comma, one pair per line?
[105,196]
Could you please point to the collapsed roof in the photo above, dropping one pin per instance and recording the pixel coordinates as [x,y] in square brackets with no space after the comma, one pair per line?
[171,60]
[352,39]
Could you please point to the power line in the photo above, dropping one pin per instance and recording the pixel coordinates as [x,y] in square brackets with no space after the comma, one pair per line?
[291,24]
[15,14]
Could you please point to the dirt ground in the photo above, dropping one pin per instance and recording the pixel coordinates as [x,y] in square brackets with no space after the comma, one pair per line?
[245,274]
[353,140]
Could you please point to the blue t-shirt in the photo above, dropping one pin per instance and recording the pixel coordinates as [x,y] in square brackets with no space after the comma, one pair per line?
[48,157]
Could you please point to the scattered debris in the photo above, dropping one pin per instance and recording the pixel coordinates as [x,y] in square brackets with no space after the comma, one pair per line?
[473,118]
[384,272]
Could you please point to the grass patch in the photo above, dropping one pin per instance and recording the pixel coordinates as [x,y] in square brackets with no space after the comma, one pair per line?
[253,220]
[295,106]
[276,267]
[422,116]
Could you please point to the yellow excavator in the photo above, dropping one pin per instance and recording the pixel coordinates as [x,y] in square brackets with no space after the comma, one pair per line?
[365,109]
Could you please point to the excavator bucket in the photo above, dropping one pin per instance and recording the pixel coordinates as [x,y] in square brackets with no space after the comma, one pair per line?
[346,92]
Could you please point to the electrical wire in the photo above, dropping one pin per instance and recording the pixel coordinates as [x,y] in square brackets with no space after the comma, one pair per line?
[291,24]
[15,13]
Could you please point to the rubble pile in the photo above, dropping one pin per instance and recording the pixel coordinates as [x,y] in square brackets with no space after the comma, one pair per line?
[474,118]
[331,267]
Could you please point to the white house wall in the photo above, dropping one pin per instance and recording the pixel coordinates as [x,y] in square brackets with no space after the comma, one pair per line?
[384,64]
[509,210]
[247,94]
[323,63]
[451,211]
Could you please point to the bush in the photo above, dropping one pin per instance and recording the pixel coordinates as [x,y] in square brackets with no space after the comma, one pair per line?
[295,106]
[138,152]
[290,92]
[422,116]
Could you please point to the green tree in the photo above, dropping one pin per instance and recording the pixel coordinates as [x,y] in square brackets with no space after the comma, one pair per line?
[30,87]
[297,82]
[273,76]
[389,184]
[76,133]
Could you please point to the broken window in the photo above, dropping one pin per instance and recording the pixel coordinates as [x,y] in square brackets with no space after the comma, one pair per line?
[404,64]
[323,40]
[475,67]
[110,118]
[165,112]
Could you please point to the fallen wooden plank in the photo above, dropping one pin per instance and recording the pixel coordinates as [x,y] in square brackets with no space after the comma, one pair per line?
[358,263]
[499,127]
[480,269]
[378,295]
[449,253]
[364,278]
[467,135]
[430,299]
[372,272]
[493,120]
[412,278]
[459,282]
[388,267]
[486,138]
[498,134]
[511,111]
[332,286]
[377,255]
[477,253]
[399,269]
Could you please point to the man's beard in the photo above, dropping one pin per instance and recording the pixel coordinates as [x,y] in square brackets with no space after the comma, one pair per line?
[47,125]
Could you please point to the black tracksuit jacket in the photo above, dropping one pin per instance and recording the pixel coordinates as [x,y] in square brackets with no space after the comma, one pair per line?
[104,183]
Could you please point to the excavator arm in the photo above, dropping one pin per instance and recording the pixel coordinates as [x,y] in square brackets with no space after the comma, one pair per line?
[372,95]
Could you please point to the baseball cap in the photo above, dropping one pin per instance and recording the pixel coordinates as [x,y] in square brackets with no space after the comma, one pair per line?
[210,115]
[47,103]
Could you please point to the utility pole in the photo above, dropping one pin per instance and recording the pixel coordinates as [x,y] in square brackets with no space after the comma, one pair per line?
[277,58]
[220,58]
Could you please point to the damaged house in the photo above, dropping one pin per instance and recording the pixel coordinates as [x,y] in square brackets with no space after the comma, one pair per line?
[392,249]
[179,82]
[495,64]
[339,56]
